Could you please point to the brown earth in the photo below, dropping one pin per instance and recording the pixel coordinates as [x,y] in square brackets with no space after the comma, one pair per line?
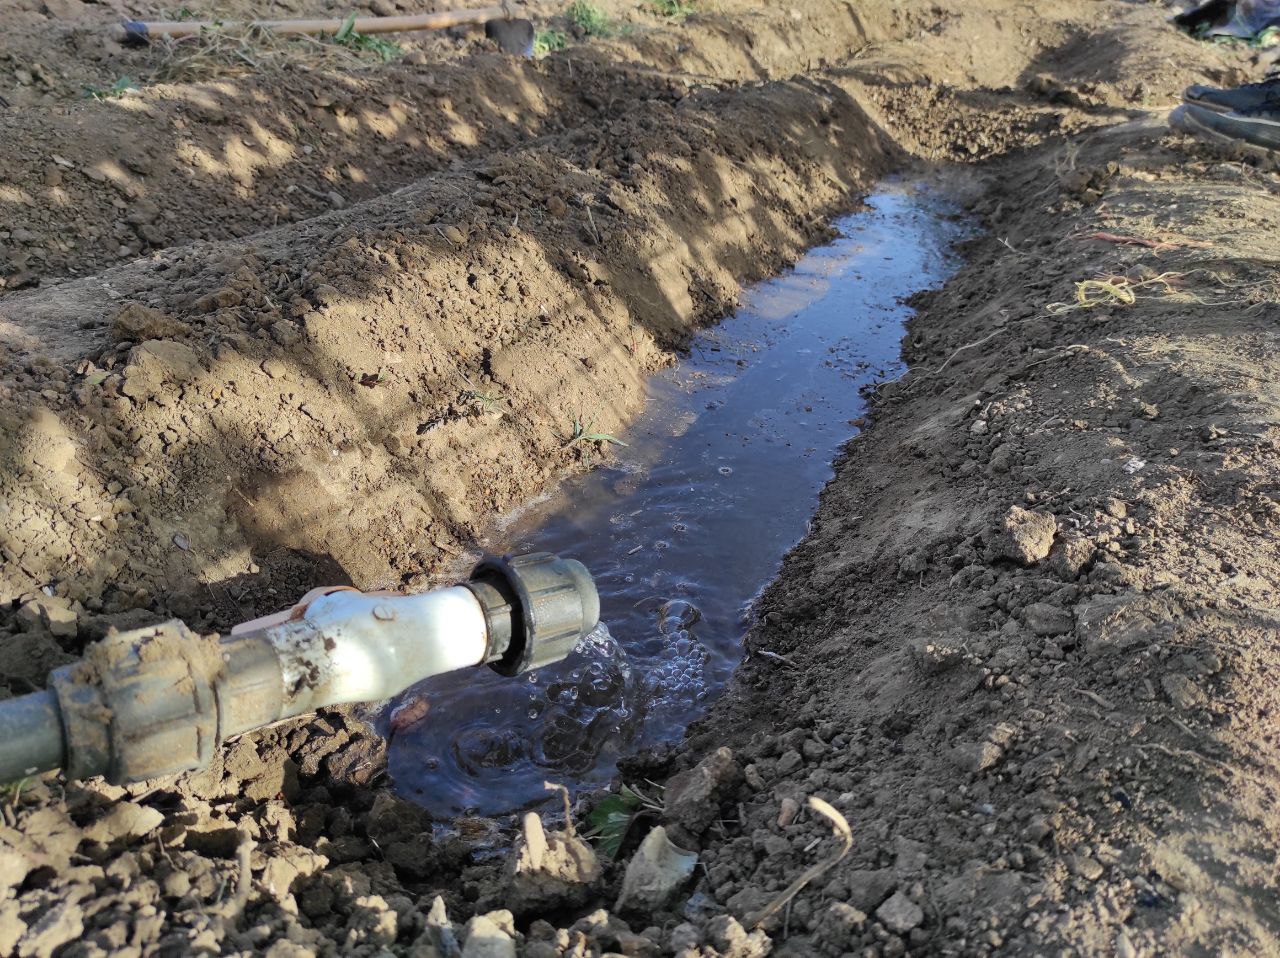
[1027,650]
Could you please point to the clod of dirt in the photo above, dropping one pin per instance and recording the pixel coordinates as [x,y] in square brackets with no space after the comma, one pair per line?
[655,873]
[158,363]
[1045,619]
[138,322]
[1071,556]
[438,937]
[693,797]
[124,820]
[1113,624]
[730,940]
[52,612]
[490,936]
[548,872]
[1025,536]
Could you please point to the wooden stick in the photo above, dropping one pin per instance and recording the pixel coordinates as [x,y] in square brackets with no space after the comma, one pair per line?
[138,31]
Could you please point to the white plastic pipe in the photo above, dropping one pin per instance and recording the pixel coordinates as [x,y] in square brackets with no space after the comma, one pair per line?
[352,647]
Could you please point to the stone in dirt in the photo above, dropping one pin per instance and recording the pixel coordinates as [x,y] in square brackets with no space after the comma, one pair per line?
[842,926]
[869,887]
[548,872]
[438,939]
[693,797]
[655,873]
[936,654]
[156,362]
[900,914]
[1024,536]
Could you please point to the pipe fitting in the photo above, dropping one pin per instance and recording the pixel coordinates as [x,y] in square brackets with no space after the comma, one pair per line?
[158,701]
[534,608]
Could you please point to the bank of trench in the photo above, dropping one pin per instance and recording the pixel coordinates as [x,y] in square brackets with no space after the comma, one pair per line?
[315,403]
[228,152]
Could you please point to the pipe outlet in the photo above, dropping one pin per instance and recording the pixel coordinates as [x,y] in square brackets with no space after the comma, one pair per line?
[159,700]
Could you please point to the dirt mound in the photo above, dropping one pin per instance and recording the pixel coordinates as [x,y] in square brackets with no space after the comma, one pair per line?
[1023,654]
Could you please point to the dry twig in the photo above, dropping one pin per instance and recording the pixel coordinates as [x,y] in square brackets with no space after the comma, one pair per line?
[840,826]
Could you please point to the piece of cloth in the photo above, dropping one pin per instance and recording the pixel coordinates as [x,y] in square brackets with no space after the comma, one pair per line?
[1242,19]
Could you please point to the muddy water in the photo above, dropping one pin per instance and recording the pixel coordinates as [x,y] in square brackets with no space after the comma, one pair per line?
[686,524]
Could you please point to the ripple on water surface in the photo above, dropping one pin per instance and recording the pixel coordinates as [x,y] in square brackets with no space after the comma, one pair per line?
[684,528]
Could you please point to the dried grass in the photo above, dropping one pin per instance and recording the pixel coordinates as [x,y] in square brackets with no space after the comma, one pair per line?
[251,49]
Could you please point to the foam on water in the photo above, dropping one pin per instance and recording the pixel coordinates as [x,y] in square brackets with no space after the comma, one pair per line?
[720,477]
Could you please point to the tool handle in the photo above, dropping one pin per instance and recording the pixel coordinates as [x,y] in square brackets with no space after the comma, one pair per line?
[140,31]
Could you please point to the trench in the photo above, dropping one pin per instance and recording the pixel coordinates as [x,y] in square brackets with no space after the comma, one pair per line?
[685,524]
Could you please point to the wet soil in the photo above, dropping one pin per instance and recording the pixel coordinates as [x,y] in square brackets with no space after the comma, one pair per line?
[1026,650]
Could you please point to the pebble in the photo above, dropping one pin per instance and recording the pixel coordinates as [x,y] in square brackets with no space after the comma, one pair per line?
[899,913]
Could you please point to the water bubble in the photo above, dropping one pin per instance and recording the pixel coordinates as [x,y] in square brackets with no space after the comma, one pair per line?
[725,470]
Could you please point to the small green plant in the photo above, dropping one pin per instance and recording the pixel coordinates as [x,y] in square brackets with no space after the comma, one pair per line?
[347,36]
[677,10]
[586,433]
[611,820]
[589,18]
[13,792]
[548,41]
[119,88]
[488,403]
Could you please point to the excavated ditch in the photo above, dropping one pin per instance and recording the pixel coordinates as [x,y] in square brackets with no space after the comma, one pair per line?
[686,523]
